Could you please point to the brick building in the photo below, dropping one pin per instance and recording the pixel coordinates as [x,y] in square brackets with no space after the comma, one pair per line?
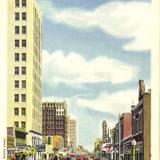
[126,135]
[134,126]
[54,119]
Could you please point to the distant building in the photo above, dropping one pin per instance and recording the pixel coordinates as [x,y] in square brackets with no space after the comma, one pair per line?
[72,132]
[97,144]
[104,131]
[141,123]
[54,119]
[115,141]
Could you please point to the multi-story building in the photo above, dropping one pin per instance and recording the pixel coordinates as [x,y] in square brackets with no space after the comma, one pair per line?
[24,109]
[133,131]
[54,119]
[115,141]
[72,132]
[126,135]
[141,123]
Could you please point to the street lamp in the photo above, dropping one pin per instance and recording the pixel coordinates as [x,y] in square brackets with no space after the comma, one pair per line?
[116,156]
[134,149]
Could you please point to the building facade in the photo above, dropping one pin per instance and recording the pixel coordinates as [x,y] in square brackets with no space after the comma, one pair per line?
[24,109]
[141,123]
[72,129]
[115,141]
[132,134]
[54,119]
[126,135]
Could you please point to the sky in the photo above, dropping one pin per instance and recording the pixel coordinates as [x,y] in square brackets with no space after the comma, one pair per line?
[94,53]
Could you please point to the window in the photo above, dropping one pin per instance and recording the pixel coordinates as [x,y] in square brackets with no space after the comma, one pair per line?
[16,56]
[23,56]
[16,3]
[23,29]
[16,16]
[24,16]
[23,124]
[16,84]
[23,111]
[24,70]
[16,70]
[16,124]
[23,3]
[23,83]
[16,97]
[16,43]
[16,111]
[23,43]
[16,29]
[23,96]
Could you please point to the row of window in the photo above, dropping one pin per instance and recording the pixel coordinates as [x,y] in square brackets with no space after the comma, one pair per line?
[17,111]
[17,16]
[52,122]
[23,3]
[17,83]
[17,29]
[17,98]
[17,70]
[53,127]
[53,112]
[23,43]
[51,107]
[17,56]
[23,124]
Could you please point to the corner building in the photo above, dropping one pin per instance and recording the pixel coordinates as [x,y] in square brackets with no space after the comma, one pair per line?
[24,110]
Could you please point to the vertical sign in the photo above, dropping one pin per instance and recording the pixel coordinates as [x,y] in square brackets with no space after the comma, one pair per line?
[3,79]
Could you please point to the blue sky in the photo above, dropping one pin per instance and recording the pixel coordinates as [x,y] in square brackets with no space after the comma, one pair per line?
[94,53]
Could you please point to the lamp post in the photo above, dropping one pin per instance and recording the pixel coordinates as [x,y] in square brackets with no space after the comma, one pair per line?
[134,149]
[116,157]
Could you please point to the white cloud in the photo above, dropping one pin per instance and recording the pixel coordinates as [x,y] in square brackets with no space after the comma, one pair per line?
[121,19]
[74,69]
[114,103]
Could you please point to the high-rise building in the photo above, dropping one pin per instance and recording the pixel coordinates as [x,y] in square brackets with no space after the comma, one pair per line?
[54,119]
[104,131]
[72,129]
[24,109]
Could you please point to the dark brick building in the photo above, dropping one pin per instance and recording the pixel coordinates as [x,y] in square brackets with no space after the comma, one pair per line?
[54,119]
